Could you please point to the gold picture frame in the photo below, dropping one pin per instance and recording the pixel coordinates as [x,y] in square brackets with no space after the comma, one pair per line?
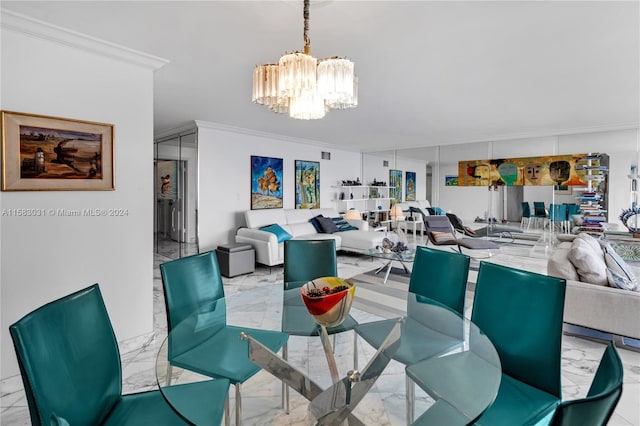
[41,153]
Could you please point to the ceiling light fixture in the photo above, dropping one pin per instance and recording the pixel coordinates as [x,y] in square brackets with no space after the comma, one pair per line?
[303,86]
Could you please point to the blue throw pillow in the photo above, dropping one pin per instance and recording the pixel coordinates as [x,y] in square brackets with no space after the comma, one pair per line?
[278,232]
[316,224]
[342,224]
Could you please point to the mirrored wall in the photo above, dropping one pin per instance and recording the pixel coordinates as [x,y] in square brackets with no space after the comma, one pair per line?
[175,195]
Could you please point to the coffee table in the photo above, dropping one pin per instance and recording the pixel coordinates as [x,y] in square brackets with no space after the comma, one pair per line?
[392,256]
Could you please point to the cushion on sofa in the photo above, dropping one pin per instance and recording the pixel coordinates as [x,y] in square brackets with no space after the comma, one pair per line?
[342,224]
[277,230]
[327,225]
[619,274]
[315,223]
[588,262]
[559,264]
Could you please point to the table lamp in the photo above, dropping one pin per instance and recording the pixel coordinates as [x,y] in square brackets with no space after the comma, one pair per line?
[353,214]
[396,212]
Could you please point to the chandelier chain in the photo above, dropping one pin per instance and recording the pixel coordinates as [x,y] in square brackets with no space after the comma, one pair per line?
[307,40]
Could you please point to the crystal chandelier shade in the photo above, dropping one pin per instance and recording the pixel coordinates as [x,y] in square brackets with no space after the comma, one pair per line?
[304,86]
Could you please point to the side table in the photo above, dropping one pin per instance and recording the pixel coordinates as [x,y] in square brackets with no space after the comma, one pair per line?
[236,259]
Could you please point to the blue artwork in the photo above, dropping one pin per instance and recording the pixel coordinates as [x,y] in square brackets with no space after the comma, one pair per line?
[266,183]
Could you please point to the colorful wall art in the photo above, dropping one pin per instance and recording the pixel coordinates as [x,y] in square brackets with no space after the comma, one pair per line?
[395,185]
[451,180]
[266,183]
[307,184]
[410,186]
[551,170]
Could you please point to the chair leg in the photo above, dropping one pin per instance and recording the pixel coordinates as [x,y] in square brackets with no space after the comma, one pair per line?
[285,388]
[169,374]
[409,400]
[238,405]
[227,417]
[355,350]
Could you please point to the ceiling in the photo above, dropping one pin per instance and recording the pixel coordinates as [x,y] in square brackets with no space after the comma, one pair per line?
[430,73]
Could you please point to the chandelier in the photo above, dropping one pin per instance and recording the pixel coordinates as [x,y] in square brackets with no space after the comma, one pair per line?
[303,86]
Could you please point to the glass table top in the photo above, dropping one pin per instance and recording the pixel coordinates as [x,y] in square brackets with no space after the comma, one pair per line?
[465,376]
[404,256]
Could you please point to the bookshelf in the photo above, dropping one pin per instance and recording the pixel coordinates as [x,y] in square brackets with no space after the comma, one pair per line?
[593,198]
[368,200]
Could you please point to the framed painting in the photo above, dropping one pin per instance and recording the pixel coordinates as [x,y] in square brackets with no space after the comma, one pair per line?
[563,190]
[166,179]
[307,184]
[451,180]
[41,153]
[410,186]
[395,185]
[266,183]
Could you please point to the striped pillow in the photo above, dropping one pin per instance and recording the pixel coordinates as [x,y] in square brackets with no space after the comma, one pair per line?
[342,224]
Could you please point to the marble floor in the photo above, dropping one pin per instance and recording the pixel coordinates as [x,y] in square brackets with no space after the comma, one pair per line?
[385,403]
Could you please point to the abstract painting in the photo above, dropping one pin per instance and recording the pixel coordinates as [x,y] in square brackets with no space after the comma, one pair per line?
[307,184]
[410,186]
[266,183]
[395,185]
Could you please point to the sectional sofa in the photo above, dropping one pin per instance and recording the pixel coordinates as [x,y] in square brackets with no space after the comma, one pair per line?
[297,223]
[595,305]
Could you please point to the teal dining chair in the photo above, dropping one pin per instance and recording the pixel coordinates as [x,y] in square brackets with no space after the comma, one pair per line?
[440,278]
[558,217]
[70,367]
[305,260]
[521,313]
[193,287]
[540,213]
[526,214]
[603,396]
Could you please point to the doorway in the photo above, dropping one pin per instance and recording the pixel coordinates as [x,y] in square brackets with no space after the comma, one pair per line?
[175,178]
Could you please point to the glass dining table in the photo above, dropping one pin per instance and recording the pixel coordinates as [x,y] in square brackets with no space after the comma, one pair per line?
[460,382]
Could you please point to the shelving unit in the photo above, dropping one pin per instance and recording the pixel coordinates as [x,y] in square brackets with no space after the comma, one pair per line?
[593,199]
[369,200]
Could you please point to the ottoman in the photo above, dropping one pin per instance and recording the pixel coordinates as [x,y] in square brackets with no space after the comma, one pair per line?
[236,259]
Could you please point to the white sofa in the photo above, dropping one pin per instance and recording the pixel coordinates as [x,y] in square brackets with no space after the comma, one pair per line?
[594,306]
[296,222]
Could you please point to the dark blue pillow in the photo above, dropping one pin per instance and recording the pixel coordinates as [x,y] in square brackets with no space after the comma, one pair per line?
[342,224]
[316,224]
[327,225]
[278,232]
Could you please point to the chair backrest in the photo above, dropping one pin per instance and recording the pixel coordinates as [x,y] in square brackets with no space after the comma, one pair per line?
[190,283]
[69,360]
[440,276]
[557,212]
[572,209]
[526,209]
[521,313]
[603,396]
[305,260]
[538,208]
[456,222]
[438,223]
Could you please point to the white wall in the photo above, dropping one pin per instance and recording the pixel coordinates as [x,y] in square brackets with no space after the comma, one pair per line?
[224,177]
[44,258]
[470,202]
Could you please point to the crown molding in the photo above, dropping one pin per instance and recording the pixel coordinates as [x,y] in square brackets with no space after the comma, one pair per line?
[40,29]
[241,130]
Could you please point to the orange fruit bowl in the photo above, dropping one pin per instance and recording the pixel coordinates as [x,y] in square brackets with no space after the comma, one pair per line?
[328,299]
